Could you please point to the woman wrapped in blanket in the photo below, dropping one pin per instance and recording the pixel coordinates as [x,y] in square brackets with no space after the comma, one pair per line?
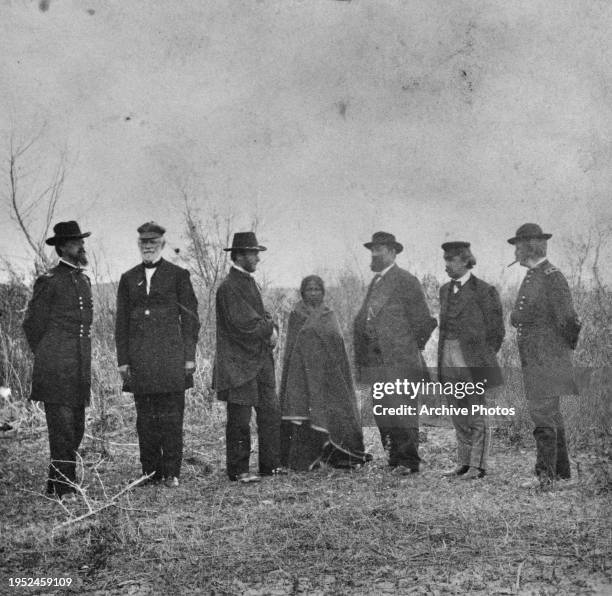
[320,422]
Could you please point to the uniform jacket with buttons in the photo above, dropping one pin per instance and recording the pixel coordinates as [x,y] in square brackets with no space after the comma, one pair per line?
[156,333]
[480,328]
[244,330]
[57,326]
[547,332]
[395,316]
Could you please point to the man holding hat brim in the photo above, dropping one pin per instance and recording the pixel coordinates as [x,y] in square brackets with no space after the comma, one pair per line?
[547,332]
[57,326]
[156,333]
[244,365]
[390,330]
[471,333]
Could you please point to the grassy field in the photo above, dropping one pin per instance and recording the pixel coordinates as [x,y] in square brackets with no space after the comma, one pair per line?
[327,532]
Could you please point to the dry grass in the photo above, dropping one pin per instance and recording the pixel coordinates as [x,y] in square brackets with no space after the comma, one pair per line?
[328,532]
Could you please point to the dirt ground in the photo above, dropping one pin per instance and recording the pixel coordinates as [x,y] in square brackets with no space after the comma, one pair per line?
[326,532]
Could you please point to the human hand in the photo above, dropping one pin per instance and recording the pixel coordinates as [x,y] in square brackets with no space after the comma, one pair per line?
[125,372]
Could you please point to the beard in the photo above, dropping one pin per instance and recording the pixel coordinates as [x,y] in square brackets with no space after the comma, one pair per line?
[377,264]
[82,258]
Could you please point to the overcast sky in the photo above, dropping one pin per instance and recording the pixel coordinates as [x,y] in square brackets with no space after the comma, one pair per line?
[326,120]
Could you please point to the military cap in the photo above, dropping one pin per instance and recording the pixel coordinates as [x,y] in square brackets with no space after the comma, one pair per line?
[151,230]
[455,245]
[245,241]
[66,230]
[386,239]
[529,231]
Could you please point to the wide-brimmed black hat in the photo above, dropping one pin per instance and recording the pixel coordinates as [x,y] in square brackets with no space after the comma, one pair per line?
[529,231]
[386,239]
[66,230]
[245,241]
[455,245]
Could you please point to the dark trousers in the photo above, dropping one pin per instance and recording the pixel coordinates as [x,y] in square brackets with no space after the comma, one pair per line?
[238,432]
[401,445]
[66,426]
[159,422]
[552,460]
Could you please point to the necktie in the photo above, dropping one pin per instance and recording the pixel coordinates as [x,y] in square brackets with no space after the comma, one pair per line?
[455,286]
[150,265]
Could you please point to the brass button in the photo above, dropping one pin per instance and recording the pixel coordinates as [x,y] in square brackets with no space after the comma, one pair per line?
[147,312]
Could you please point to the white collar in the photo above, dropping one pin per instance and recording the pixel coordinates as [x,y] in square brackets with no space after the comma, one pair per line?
[155,263]
[464,278]
[70,264]
[241,269]
[538,262]
[384,271]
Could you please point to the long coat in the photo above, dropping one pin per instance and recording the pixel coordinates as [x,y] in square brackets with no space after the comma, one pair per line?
[156,333]
[480,328]
[547,332]
[57,325]
[317,384]
[243,332]
[398,315]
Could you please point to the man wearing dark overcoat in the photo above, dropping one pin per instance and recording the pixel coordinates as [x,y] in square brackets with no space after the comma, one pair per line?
[390,330]
[57,325]
[156,335]
[547,330]
[244,366]
[471,334]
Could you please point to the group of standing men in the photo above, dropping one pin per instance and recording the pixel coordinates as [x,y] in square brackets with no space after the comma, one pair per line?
[157,328]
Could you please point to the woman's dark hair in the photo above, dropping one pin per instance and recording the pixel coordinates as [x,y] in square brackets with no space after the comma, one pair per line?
[308,279]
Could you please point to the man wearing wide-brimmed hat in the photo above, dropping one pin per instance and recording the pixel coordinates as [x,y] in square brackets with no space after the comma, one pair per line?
[156,334]
[547,329]
[471,334]
[390,330]
[244,366]
[57,325]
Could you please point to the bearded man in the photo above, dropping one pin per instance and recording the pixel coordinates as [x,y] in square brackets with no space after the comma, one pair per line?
[57,326]
[390,330]
[244,365]
[547,330]
[156,335]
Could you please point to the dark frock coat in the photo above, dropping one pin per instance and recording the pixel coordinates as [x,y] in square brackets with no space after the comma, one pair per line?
[156,333]
[388,346]
[401,321]
[480,328]
[547,332]
[57,326]
[243,333]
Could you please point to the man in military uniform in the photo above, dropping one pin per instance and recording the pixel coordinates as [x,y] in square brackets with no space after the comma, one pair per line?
[390,330]
[471,334]
[156,334]
[547,332]
[57,325]
[244,365]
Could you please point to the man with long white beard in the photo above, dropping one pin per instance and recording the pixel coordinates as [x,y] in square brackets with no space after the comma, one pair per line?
[57,325]
[156,335]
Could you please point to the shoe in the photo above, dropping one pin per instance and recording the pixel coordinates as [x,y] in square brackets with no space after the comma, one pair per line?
[172,482]
[458,471]
[275,472]
[403,471]
[542,483]
[245,478]
[473,474]
[152,481]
